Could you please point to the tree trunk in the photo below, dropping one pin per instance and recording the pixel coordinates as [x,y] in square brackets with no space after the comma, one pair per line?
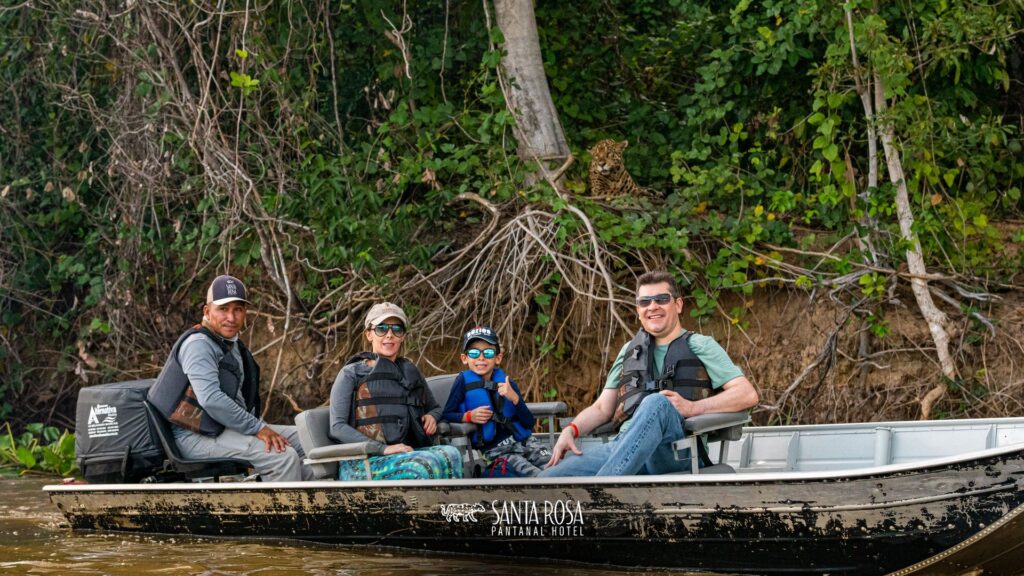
[881,127]
[935,318]
[538,130]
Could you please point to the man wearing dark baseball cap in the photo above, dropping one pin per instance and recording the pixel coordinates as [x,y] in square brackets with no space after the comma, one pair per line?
[209,390]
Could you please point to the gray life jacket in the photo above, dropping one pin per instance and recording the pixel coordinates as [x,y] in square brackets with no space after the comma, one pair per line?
[172,386]
[390,401]
[682,373]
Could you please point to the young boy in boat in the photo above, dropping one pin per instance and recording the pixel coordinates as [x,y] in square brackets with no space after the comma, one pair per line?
[484,395]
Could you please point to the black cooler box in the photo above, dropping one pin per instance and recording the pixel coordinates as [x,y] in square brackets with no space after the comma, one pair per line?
[113,439]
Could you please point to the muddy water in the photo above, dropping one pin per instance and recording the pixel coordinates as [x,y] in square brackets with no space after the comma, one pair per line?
[34,539]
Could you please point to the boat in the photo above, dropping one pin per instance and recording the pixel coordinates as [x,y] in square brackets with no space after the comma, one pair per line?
[935,497]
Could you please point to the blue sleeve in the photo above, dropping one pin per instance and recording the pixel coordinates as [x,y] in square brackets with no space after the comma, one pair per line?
[523,415]
[199,358]
[453,407]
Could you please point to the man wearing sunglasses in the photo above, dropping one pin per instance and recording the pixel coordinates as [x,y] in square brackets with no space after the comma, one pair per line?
[209,390]
[661,376]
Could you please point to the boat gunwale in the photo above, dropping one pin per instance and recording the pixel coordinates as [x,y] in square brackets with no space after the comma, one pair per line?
[556,482]
[897,424]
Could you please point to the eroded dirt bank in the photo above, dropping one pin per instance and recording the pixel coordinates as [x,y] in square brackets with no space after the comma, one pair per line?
[806,356]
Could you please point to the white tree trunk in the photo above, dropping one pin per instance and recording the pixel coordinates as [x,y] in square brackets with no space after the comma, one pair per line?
[935,318]
[538,130]
[879,126]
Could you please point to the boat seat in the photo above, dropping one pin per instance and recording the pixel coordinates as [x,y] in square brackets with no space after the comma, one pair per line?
[190,468]
[322,452]
[722,427]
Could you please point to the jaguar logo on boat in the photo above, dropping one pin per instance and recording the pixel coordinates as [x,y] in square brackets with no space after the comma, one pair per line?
[544,519]
[523,518]
[107,425]
[461,512]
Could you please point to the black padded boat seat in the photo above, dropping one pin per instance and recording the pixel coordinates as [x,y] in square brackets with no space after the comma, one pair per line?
[190,468]
[722,427]
[323,453]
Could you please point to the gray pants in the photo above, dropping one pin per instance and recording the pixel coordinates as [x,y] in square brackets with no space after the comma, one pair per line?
[272,466]
[526,458]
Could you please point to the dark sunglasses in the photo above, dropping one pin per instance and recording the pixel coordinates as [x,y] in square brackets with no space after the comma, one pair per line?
[397,329]
[661,299]
[475,353]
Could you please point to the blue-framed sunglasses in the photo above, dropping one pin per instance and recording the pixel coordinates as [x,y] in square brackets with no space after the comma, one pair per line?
[661,299]
[397,329]
[475,353]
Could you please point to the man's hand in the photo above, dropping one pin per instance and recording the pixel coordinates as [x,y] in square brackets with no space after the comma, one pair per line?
[566,441]
[480,415]
[505,390]
[429,424]
[686,408]
[396,449]
[273,440]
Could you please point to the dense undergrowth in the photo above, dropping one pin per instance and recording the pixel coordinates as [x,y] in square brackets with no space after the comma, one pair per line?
[334,153]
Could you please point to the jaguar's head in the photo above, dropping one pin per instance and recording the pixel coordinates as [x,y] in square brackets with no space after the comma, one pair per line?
[606,156]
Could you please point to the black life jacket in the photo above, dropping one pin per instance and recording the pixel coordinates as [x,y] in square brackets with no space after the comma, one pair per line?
[172,383]
[389,402]
[682,373]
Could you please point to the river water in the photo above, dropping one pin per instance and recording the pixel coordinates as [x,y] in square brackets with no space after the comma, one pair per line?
[34,539]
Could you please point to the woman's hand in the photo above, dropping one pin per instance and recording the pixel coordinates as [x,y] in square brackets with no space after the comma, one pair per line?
[397,449]
[429,424]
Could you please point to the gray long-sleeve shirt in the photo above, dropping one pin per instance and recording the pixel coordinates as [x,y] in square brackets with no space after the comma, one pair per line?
[200,357]
[342,393]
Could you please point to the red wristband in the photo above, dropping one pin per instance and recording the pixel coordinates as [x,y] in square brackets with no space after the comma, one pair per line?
[574,427]
[468,416]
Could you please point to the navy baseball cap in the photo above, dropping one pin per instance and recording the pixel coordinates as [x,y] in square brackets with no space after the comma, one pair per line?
[225,289]
[484,333]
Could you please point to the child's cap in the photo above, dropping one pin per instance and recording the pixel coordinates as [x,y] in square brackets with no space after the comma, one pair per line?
[484,333]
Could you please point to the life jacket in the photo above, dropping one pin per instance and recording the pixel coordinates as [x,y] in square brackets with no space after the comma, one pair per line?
[480,392]
[682,373]
[390,401]
[172,385]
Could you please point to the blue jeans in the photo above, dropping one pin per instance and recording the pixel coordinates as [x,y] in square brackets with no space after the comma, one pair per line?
[644,448]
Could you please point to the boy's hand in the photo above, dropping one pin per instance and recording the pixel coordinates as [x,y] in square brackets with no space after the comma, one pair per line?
[480,415]
[397,449]
[505,390]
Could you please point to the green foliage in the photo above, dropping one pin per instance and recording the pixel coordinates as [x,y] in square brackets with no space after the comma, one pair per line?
[39,449]
[354,144]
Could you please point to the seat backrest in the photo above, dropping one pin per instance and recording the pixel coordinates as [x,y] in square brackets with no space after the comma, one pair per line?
[162,427]
[313,426]
[441,386]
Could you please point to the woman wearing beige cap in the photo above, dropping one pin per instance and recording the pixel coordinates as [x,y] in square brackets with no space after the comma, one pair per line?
[382,398]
